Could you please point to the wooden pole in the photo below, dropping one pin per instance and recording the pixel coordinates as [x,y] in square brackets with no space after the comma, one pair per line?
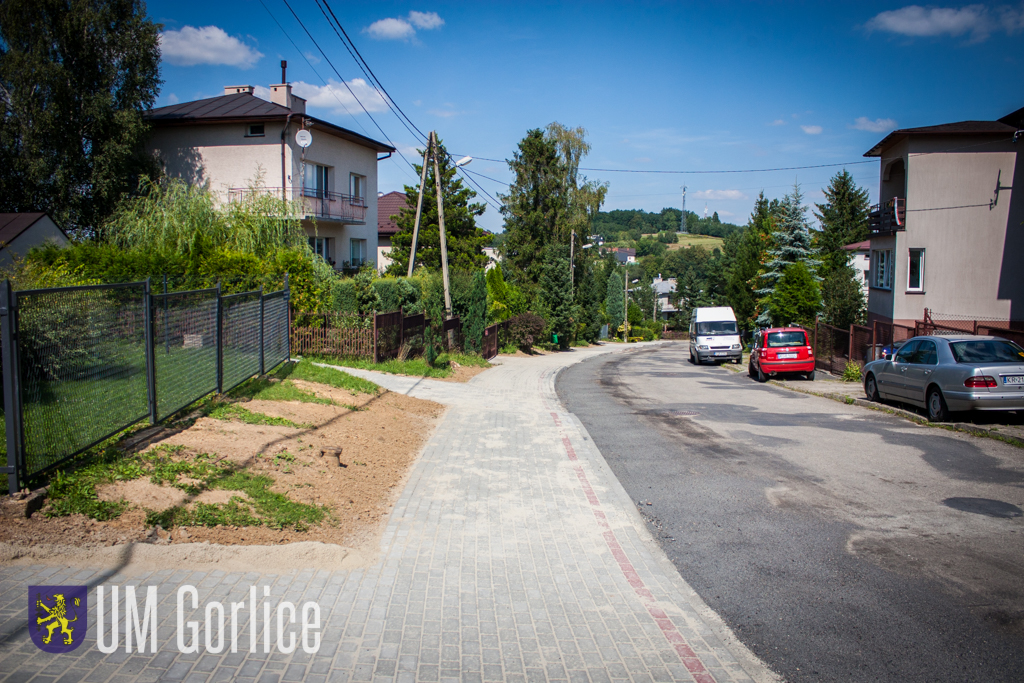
[440,228]
[419,205]
[572,254]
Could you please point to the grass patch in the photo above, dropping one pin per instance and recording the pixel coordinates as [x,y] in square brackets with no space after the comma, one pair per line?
[75,492]
[274,389]
[220,410]
[416,367]
[306,370]
[265,508]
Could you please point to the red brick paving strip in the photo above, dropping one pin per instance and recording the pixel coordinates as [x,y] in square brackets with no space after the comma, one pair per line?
[689,658]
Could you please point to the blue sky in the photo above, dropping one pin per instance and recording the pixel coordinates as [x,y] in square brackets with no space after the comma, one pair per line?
[658,86]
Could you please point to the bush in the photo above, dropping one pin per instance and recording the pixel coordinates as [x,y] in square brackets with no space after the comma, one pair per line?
[524,330]
[852,372]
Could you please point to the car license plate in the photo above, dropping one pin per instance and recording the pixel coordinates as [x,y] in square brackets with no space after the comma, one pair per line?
[1013,379]
[721,353]
[787,355]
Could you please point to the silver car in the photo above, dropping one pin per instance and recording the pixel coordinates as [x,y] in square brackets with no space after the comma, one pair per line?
[944,374]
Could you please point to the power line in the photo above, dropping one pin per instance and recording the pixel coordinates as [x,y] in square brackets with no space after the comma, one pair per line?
[748,170]
[344,82]
[367,71]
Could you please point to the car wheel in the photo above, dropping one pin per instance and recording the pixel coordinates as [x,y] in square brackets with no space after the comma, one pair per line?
[937,410]
[693,361]
[761,377]
[871,389]
[810,376]
[750,370]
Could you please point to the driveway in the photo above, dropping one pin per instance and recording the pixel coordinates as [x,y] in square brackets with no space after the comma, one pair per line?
[838,543]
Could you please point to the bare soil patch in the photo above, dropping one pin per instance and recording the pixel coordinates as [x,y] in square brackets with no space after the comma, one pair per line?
[378,436]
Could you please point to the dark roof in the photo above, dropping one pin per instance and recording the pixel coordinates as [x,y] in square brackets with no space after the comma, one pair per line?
[244,108]
[389,206]
[1015,119]
[999,127]
[858,246]
[13,224]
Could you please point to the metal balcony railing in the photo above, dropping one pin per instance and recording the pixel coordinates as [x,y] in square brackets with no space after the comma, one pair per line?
[888,217]
[315,203]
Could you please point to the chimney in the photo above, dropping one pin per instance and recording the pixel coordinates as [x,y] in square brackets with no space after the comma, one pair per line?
[282,94]
[239,89]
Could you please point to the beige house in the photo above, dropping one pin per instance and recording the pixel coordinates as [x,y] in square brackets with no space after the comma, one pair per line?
[389,207]
[948,234]
[226,142]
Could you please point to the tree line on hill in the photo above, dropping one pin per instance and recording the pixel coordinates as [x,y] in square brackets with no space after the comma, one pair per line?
[631,224]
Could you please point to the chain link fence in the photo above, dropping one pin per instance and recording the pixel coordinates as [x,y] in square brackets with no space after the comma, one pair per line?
[81,364]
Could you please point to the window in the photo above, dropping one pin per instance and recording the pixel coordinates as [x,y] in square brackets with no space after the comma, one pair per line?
[315,180]
[780,339]
[255,130]
[358,248]
[907,352]
[915,271]
[321,246]
[882,270]
[358,186]
[717,327]
[926,353]
[986,351]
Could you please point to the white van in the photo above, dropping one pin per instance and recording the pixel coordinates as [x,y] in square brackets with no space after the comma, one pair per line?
[714,335]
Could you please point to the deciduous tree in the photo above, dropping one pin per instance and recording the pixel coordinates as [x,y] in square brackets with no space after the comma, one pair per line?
[75,78]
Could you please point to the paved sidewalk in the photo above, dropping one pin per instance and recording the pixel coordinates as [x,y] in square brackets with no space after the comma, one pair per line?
[513,554]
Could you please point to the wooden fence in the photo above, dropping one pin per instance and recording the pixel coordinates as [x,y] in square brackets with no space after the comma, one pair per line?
[378,337]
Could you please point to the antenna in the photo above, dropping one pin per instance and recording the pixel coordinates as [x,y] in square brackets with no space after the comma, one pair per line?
[682,216]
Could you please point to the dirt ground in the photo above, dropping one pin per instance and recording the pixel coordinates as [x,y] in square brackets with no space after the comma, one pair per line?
[379,438]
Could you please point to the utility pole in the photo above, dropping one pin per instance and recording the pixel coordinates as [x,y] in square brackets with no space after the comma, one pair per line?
[625,308]
[419,205]
[440,228]
[572,272]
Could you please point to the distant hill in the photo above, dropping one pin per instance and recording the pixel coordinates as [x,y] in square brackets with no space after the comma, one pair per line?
[610,224]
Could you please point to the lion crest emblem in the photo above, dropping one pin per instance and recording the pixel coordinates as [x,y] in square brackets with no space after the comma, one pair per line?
[58,616]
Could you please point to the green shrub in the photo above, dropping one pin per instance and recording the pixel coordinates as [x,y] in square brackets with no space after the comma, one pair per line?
[851,373]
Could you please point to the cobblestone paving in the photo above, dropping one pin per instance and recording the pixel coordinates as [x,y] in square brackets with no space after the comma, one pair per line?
[513,554]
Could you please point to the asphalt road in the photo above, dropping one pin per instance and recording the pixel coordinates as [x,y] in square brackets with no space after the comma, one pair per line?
[838,543]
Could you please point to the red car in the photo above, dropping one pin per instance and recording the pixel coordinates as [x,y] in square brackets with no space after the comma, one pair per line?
[781,349]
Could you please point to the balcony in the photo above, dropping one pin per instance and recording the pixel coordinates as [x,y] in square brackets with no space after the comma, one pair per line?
[889,217]
[332,206]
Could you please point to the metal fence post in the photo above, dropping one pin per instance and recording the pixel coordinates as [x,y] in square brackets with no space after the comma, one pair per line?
[288,309]
[376,342]
[167,337]
[147,300]
[12,396]
[874,340]
[850,355]
[219,341]
[262,308]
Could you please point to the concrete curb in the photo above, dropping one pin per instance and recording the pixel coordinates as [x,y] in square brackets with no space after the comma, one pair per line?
[901,412]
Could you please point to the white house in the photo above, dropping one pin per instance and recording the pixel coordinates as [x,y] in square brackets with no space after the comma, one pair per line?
[663,289]
[226,142]
[860,261]
[20,232]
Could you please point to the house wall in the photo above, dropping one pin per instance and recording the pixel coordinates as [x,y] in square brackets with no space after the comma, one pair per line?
[222,157]
[39,233]
[948,215]
[861,263]
[383,251]
[972,249]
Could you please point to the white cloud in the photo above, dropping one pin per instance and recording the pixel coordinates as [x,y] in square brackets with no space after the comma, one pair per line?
[404,28]
[719,194]
[191,46]
[391,29]
[425,20]
[313,59]
[812,130]
[336,97]
[777,122]
[172,99]
[976,20]
[876,126]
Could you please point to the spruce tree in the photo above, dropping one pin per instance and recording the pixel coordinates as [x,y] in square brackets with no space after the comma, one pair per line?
[556,298]
[796,298]
[614,302]
[843,218]
[465,241]
[842,297]
[790,243]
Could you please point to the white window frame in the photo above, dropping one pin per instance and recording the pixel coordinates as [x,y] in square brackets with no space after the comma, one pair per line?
[357,261]
[321,246]
[882,269]
[357,186]
[316,180]
[920,272]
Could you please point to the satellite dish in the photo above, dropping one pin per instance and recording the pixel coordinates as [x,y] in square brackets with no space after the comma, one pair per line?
[304,138]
